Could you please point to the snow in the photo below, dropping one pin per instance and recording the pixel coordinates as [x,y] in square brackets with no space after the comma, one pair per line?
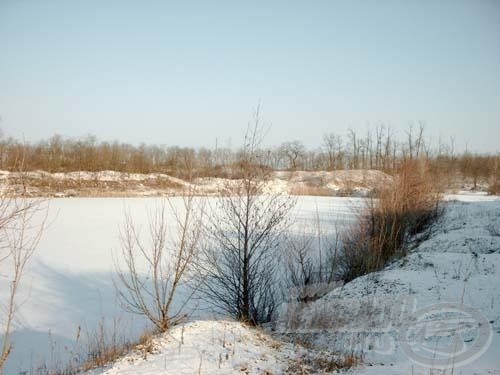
[111,183]
[208,347]
[69,281]
[471,196]
[459,263]
[69,284]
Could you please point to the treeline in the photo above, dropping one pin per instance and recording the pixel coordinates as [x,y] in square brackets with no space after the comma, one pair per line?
[377,149]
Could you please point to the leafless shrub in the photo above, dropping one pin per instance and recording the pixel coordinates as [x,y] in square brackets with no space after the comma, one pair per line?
[237,269]
[405,209]
[312,263]
[166,261]
[316,362]
[20,233]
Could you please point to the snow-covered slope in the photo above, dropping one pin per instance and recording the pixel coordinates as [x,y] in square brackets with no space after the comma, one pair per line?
[222,347]
[459,264]
[371,316]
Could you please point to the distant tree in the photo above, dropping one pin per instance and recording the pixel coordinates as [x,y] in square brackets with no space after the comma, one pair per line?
[415,141]
[354,149]
[293,151]
[332,144]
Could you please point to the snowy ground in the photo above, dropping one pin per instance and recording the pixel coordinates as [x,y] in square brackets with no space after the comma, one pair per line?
[69,282]
[459,264]
[69,285]
[208,347]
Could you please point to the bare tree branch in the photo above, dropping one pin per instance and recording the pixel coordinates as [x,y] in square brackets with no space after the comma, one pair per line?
[165,258]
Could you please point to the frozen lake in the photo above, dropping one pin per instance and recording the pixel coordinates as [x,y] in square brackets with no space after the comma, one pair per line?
[69,281]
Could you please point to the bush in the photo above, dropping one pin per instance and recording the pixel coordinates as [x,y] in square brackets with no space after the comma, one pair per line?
[407,207]
[317,362]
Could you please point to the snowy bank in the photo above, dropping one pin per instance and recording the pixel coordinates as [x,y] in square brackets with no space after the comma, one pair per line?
[112,183]
[454,271]
[444,295]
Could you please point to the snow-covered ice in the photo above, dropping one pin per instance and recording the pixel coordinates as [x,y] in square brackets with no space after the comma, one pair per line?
[459,262]
[69,281]
[69,285]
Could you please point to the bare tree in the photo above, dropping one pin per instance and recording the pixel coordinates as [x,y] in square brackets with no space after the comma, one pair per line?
[415,141]
[20,233]
[164,259]
[312,261]
[237,269]
[333,146]
[355,149]
[293,151]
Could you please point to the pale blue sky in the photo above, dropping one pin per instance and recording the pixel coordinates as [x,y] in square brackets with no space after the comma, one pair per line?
[186,72]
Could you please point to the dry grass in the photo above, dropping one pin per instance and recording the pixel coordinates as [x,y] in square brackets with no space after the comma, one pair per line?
[494,188]
[94,349]
[102,349]
[104,356]
[311,362]
[102,352]
[402,210]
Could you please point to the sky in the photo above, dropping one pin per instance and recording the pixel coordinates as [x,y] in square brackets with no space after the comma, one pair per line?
[189,73]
